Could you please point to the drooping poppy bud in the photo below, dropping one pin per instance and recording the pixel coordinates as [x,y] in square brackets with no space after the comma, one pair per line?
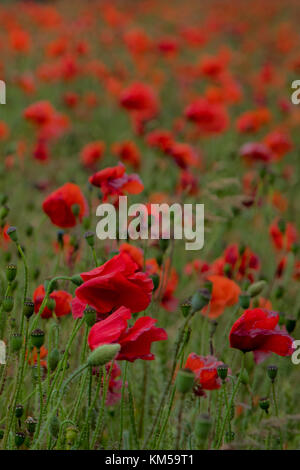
[203,426]
[53,359]
[257,288]
[12,233]
[185,380]
[103,354]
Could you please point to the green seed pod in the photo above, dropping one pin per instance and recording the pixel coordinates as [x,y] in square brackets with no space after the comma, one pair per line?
[264,404]
[54,426]
[256,288]
[31,424]
[200,299]
[53,359]
[90,316]
[103,354]
[203,426]
[185,380]
[15,342]
[37,338]
[28,308]
[186,308]
[90,238]
[222,370]
[77,280]
[272,372]
[244,300]
[12,233]
[290,324]
[11,272]
[8,304]
[19,410]
[19,438]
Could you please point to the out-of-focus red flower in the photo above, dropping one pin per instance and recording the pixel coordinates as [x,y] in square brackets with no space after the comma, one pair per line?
[127,152]
[62,302]
[71,99]
[4,130]
[252,121]
[137,41]
[206,372]
[225,293]
[59,205]
[40,113]
[188,183]
[161,139]
[114,181]
[20,40]
[135,342]
[256,151]
[114,385]
[41,150]
[168,46]
[114,284]
[92,153]
[135,252]
[283,238]
[32,356]
[279,142]
[211,118]
[184,155]
[4,238]
[257,330]
[243,263]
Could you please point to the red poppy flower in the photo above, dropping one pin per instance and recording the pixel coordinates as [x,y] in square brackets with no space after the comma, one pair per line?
[225,293]
[114,181]
[92,153]
[135,342]
[279,142]
[58,205]
[40,113]
[255,151]
[32,356]
[161,139]
[257,330]
[206,372]
[128,152]
[283,238]
[139,97]
[210,117]
[62,302]
[117,282]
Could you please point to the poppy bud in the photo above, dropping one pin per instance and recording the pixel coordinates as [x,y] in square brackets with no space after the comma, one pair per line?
[290,324]
[185,380]
[90,316]
[3,199]
[28,308]
[16,342]
[8,304]
[37,338]
[200,299]
[4,210]
[19,438]
[245,377]
[75,209]
[244,300]
[203,426]
[222,370]
[155,280]
[256,288]
[264,404]
[77,280]
[31,424]
[103,354]
[90,238]
[54,285]
[11,272]
[19,410]
[53,359]
[272,372]
[186,308]
[163,243]
[12,233]
[54,426]
[71,434]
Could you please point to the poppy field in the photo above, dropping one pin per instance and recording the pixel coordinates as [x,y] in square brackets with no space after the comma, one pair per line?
[142,344]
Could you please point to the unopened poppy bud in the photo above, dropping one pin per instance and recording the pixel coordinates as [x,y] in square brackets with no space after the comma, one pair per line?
[185,380]
[244,300]
[28,308]
[186,308]
[245,377]
[51,304]
[19,410]
[75,209]
[37,338]
[53,359]
[222,370]
[77,280]
[31,424]
[163,243]
[71,434]
[103,354]
[200,299]
[12,233]
[16,342]
[90,316]
[155,280]
[272,372]
[90,238]
[54,426]
[11,272]
[290,324]
[256,288]
[8,304]
[19,438]
[203,426]
[264,404]
[4,210]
